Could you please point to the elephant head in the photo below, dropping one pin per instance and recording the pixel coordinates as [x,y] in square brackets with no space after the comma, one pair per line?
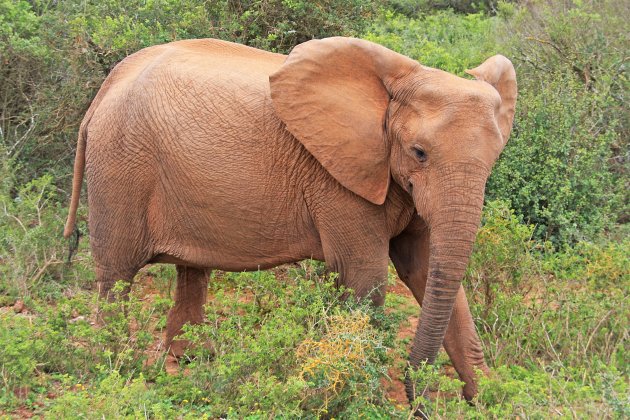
[370,115]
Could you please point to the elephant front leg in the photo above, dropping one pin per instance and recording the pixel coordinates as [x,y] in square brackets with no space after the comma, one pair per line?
[409,252]
[354,242]
[190,296]
[464,346]
[369,281]
[364,269]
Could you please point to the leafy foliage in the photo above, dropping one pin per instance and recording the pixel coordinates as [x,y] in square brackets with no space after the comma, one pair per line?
[32,251]
[293,347]
[565,166]
[444,40]
[284,343]
[556,169]
[413,8]
[503,254]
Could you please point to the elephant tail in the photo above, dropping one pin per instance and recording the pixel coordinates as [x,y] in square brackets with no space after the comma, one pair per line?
[77,181]
[79,160]
[114,77]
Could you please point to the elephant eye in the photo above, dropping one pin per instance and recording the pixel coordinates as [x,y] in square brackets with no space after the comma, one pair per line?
[420,154]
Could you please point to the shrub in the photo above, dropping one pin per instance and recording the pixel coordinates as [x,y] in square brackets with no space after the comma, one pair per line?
[290,347]
[415,7]
[115,396]
[594,265]
[341,364]
[21,352]
[556,318]
[444,40]
[555,170]
[565,166]
[503,255]
[32,250]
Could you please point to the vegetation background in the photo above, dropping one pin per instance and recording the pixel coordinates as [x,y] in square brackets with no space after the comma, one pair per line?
[548,282]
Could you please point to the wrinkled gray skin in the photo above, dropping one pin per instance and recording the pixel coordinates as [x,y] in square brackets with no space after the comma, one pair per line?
[208,154]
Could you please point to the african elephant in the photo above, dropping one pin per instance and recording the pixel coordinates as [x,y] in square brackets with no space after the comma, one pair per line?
[213,155]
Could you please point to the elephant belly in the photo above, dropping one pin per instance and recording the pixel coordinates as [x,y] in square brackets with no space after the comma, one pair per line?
[231,220]
[234,242]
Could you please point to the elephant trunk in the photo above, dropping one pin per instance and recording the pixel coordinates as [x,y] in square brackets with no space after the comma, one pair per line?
[453,226]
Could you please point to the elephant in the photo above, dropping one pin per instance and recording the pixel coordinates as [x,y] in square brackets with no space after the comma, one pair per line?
[209,154]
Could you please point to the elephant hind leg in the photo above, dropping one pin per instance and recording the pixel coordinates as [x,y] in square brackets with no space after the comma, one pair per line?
[190,296]
[106,279]
[116,259]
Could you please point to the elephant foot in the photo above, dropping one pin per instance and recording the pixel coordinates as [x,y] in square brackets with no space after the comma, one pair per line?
[177,348]
[470,385]
[470,391]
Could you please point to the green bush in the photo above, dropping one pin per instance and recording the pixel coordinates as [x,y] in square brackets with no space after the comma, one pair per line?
[413,8]
[443,40]
[32,250]
[553,323]
[60,341]
[22,351]
[503,256]
[594,265]
[523,293]
[565,166]
[291,347]
[556,168]
[114,396]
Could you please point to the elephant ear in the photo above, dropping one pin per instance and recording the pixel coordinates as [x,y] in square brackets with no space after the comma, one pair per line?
[499,72]
[332,94]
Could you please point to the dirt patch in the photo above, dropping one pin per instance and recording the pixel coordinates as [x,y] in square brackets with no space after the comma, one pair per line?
[400,289]
[22,413]
[395,387]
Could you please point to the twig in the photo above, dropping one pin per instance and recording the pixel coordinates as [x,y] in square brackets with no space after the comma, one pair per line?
[551,345]
[43,269]
[15,218]
[599,324]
